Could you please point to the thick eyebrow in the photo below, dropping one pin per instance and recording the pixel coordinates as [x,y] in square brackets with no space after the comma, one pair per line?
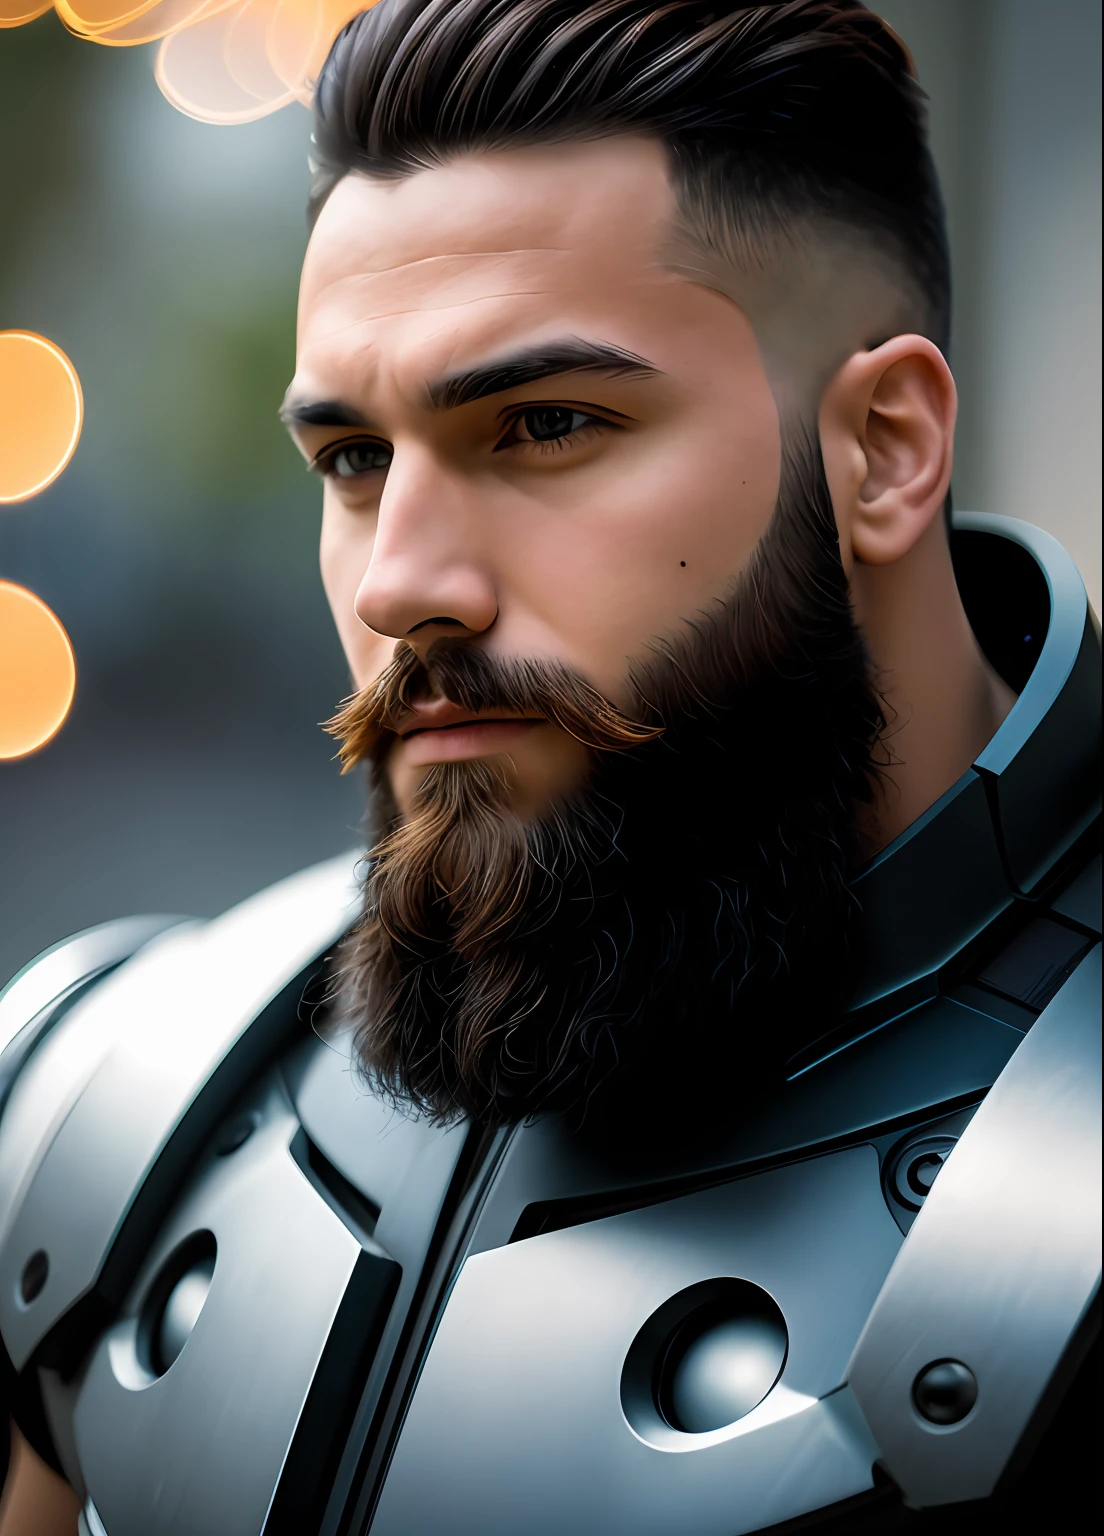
[527,366]
[320,413]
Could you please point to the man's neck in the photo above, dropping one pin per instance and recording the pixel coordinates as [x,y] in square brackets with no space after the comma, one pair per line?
[943,700]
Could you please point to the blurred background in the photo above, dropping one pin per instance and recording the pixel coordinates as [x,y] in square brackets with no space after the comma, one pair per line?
[178,548]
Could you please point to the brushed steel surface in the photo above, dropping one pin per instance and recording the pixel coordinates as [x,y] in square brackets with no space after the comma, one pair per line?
[49,976]
[199,1448]
[181,1313]
[101,1097]
[1001,1263]
[89,1522]
[517,1425]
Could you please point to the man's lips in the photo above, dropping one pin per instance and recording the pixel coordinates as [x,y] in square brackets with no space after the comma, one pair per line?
[441,732]
[443,715]
[476,720]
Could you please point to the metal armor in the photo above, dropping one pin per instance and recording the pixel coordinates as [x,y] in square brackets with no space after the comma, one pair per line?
[239,1294]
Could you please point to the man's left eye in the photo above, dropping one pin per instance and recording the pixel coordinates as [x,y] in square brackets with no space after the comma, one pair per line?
[547,423]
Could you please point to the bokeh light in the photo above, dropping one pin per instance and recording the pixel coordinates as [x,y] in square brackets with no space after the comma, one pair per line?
[38,674]
[40,413]
[221,61]
[234,63]
[14,13]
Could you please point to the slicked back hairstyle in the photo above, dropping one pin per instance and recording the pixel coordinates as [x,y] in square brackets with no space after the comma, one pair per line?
[771,114]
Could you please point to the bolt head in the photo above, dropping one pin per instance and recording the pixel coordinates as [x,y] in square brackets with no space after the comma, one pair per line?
[945,1391]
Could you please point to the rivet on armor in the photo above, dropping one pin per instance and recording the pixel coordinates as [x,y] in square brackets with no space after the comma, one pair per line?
[945,1391]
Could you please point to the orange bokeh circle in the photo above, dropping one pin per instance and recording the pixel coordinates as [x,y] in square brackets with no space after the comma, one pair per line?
[16,13]
[41,410]
[38,675]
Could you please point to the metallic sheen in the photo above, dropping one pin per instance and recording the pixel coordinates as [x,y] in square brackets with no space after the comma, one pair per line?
[721,1373]
[1001,1264]
[945,1392]
[181,1312]
[521,1383]
[114,1049]
[198,1449]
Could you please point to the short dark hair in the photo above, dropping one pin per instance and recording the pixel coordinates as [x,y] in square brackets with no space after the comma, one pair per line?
[770,113]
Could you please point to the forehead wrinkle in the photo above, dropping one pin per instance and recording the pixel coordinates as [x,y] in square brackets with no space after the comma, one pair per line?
[570,274]
[312,336]
[352,326]
[442,256]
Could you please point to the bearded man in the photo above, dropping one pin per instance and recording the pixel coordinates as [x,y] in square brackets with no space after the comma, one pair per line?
[730,868]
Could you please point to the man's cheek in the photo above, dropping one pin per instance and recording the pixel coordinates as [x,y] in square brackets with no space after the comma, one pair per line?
[341,570]
[332,568]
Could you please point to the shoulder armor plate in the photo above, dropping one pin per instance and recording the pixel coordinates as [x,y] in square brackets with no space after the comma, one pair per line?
[112,1083]
[32,1002]
[1001,1265]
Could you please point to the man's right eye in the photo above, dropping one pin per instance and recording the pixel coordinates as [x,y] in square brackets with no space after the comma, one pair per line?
[346,461]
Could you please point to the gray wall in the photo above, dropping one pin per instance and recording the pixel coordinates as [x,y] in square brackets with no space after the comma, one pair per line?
[1015,96]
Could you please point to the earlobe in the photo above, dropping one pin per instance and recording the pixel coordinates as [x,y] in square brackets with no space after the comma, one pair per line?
[887,437]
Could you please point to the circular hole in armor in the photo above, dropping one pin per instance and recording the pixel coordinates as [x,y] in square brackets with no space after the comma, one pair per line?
[175,1301]
[704,1359]
[34,1276]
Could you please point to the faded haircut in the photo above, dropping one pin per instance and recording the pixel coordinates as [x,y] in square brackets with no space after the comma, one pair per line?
[775,117]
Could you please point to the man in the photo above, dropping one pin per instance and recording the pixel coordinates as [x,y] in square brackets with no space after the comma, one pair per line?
[716,874]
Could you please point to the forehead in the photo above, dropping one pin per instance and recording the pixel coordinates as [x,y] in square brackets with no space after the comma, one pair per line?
[450,261]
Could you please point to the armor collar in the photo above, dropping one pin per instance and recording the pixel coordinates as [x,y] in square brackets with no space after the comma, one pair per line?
[998,833]
[915,1033]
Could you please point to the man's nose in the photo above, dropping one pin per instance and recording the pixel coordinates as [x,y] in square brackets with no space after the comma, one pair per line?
[427,567]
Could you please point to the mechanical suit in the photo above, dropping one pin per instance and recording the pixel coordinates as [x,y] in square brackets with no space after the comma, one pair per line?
[238,1293]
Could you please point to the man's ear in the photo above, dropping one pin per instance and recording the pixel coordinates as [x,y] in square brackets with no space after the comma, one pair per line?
[887,437]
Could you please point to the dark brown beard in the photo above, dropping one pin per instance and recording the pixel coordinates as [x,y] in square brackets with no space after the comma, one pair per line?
[688,905]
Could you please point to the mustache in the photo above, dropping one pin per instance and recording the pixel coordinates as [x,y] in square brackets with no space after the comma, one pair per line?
[475,680]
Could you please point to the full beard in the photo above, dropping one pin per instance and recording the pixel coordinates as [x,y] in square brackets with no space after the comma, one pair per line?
[684,915]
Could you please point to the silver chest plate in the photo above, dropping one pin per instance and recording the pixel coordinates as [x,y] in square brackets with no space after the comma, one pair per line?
[519,1413]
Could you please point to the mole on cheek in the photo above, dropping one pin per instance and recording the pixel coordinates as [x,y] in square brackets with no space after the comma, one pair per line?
[682,562]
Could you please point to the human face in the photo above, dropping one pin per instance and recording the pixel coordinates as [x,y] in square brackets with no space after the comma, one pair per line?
[571,508]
